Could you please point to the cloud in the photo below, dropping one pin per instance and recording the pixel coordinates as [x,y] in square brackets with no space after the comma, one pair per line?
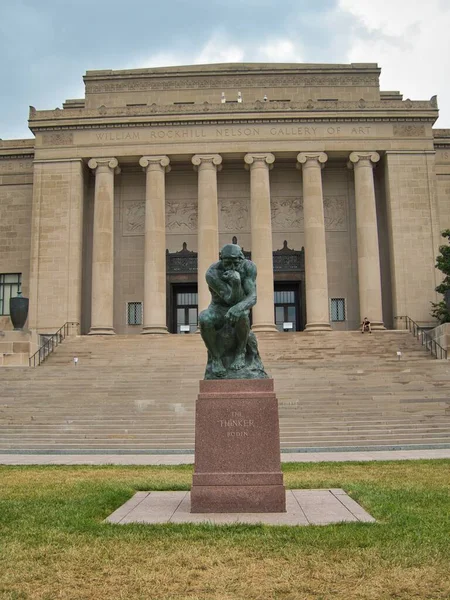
[222,49]
[219,49]
[280,50]
[159,59]
[409,41]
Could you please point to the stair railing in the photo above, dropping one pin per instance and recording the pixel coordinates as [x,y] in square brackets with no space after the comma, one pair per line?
[424,338]
[52,340]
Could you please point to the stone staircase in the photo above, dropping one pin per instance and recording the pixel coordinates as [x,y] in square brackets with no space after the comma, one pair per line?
[337,390]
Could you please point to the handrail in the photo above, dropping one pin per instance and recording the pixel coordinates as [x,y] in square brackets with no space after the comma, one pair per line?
[53,340]
[424,338]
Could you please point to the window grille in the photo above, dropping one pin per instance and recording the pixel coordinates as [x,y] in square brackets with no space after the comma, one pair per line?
[9,286]
[287,297]
[134,313]
[338,309]
[187,299]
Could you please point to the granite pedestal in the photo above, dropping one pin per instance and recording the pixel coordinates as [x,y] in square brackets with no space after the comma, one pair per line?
[237,448]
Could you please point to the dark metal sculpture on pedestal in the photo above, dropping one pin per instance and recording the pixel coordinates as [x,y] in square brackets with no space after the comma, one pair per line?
[225,324]
[237,435]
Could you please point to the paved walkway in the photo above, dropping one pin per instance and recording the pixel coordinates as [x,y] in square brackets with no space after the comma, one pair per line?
[303,507]
[180,459]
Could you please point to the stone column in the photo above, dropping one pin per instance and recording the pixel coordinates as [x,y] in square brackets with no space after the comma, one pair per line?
[155,244]
[103,246]
[261,232]
[369,274]
[207,166]
[317,301]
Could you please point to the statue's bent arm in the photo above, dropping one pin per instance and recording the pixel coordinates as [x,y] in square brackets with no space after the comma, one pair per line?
[249,287]
[217,285]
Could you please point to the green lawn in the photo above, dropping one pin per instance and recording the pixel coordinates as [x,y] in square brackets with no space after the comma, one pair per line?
[53,544]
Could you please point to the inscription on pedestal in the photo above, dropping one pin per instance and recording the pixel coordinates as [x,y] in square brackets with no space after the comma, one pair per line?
[237,426]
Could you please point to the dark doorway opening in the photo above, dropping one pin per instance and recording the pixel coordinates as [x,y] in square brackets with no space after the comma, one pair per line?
[185,308]
[288,316]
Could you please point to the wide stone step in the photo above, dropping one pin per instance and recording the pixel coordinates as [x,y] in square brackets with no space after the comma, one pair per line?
[138,393]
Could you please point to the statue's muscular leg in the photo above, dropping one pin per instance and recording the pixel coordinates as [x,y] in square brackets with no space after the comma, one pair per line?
[208,322]
[242,333]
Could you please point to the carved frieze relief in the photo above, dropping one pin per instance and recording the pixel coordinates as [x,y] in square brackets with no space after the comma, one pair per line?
[335,213]
[64,138]
[233,215]
[134,218]
[181,216]
[403,130]
[287,213]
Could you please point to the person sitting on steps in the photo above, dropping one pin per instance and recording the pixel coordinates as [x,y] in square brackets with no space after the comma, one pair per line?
[365,325]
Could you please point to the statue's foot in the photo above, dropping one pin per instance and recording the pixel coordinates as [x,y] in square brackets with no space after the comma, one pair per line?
[238,362]
[217,368]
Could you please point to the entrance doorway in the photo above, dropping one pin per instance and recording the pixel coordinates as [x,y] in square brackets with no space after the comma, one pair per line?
[287,307]
[185,305]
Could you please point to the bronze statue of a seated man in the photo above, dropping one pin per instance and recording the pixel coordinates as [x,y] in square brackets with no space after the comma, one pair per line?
[225,324]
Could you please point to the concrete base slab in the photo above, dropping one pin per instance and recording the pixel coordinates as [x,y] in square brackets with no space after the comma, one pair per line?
[303,507]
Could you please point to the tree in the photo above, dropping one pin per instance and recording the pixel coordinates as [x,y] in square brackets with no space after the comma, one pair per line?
[440,310]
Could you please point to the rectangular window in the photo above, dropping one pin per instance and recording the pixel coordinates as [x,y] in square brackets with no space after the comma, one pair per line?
[9,286]
[187,299]
[337,309]
[134,313]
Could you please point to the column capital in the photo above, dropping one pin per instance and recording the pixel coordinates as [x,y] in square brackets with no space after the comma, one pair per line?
[259,159]
[207,161]
[367,159]
[305,159]
[109,163]
[155,163]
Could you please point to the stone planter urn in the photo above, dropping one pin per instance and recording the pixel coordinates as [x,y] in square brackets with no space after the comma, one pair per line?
[18,310]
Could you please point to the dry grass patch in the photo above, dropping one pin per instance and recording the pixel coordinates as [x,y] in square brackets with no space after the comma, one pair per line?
[53,544]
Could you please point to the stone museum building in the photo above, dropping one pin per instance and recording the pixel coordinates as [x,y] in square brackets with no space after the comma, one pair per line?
[338,191]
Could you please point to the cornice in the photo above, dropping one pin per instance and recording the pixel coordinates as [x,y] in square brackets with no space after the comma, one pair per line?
[16,149]
[16,156]
[310,106]
[17,145]
[441,139]
[234,68]
[270,112]
[184,122]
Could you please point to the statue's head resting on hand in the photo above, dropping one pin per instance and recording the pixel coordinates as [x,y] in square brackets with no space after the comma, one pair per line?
[232,257]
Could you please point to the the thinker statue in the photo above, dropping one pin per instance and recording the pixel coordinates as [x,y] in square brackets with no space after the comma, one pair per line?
[225,324]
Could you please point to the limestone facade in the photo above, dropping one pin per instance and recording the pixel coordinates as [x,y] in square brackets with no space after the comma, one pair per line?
[122,199]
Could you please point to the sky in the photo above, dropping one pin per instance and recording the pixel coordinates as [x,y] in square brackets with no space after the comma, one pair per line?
[47,45]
